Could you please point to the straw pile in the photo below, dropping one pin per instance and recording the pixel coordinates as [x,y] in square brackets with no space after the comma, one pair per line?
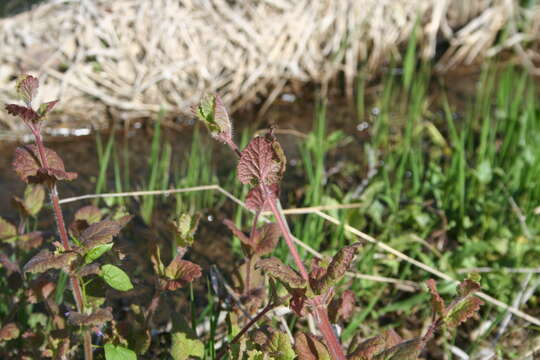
[131,57]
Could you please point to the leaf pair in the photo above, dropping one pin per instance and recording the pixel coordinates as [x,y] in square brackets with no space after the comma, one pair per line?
[262,242]
[462,308]
[27,88]
[29,166]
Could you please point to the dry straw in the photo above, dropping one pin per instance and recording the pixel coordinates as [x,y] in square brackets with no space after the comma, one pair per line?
[130,57]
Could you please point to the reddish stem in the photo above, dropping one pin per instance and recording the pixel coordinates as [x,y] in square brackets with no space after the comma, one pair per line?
[61,226]
[286,232]
[325,327]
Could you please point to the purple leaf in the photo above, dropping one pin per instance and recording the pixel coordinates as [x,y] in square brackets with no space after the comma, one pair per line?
[28,167]
[98,317]
[284,273]
[25,113]
[256,201]
[261,162]
[437,302]
[27,87]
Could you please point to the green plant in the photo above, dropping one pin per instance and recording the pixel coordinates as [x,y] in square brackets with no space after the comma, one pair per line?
[261,165]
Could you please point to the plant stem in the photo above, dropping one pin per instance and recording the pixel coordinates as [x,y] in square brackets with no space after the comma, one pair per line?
[319,310]
[286,232]
[332,342]
[61,226]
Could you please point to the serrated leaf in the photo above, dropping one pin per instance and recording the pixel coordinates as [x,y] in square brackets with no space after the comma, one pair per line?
[96,318]
[118,352]
[116,277]
[265,239]
[367,349]
[30,240]
[91,214]
[279,347]
[261,162]
[27,87]
[184,229]
[462,310]
[308,347]
[28,167]
[437,302]
[180,272]
[96,252]
[8,231]
[257,201]
[342,307]
[9,331]
[284,273]
[213,114]
[101,232]
[46,107]
[25,113]
[336,269]
[468,286]
[46,260]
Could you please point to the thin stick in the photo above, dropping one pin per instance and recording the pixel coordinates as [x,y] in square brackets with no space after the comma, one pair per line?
[331,219]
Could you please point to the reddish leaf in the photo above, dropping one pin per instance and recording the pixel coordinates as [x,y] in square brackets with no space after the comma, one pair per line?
[256,201]
[180,272]
[98,317]
[468,286]
[262,161]
[102,232]
[265,239]
[237,232]
[437,302]
[462,310]
[27,165]
[8,232]
[40,289]
[91,214]
[30,240]
[338,266]
[46,107]
[27,87]
[8,264]
[46,260]
[9,331]
[284,273]
[25,113]
[342,307]
[367,349]
[308,347]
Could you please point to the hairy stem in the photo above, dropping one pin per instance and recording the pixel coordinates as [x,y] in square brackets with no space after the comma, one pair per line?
[332,342]
[61,226]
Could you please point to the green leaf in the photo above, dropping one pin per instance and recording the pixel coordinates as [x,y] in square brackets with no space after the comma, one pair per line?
[116,277]
[118,352]
[8,232]
[484,172]
[184,340]
[279,347]
[462,311]
[185,228]
[212,112]
[92,214]
[96,252]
